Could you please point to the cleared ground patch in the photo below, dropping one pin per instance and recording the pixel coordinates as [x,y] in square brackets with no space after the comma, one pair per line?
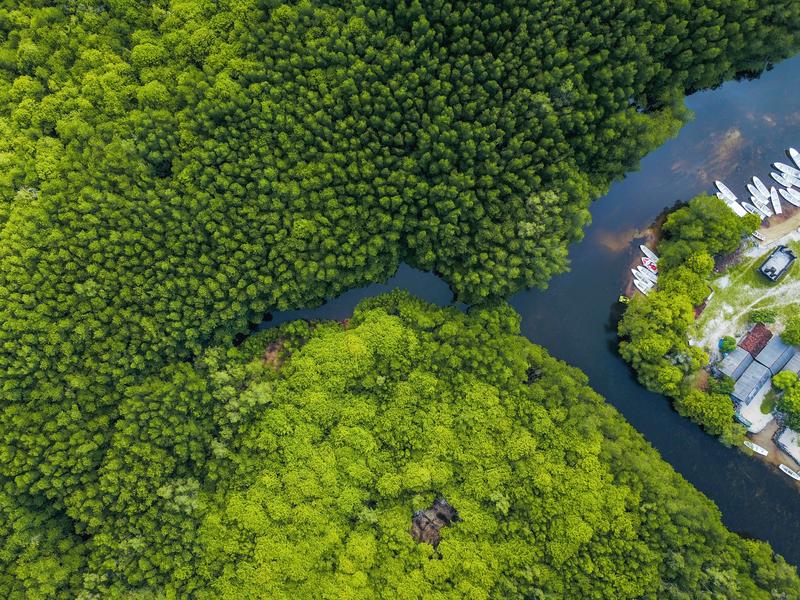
[742,289]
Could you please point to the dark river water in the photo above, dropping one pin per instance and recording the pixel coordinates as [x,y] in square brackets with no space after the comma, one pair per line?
[738,130]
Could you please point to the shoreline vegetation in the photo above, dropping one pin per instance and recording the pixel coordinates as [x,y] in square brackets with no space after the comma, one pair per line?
[655,329]
[172,171]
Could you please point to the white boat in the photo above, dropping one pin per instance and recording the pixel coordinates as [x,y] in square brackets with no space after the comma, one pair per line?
[761,187]
[649,263]
[784,168]
[776,200]
[791,196]
[781,179]
[789,472]
[795,156]
[725,191]
[756,448]
[759,237]
[649,253]
[642,287]
[762,205]
[753,210]
[736,208]
[792,180]
[754,191]
[646,274]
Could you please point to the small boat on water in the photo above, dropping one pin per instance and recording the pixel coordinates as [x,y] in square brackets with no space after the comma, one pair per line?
[792,180]
[784,168]
[791,196]
[756,193]
[645,289]
[756,448]
[646,274]
[761,187]
[759,237]
[725,191]
[648,253]
[762,205]
[781,179]
[795,156]
[650,264]
[753,210]
[776,200]
[789,472]
[736,208]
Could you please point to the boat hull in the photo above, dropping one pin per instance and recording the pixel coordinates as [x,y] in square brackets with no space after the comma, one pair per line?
[776,201]
[760,186]
[795,156]
[789,170]
[791,196]
[756,448]
[789,472]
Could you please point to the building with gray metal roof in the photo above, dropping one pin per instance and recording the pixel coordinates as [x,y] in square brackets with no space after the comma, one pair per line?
[736,362]
[775,355]
[793,364]
[752,380]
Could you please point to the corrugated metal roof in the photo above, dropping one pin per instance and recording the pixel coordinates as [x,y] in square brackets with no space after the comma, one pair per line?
[750,382]
[775,354]
[793,364]
[736,362]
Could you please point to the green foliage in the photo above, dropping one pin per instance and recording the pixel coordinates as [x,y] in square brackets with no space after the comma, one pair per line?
[714,411]
[762,315]
[721,385]
[727,344]
[174,170]
[705,226]
[791,333]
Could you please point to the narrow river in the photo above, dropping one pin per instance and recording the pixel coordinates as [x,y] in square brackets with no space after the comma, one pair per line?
[738,130]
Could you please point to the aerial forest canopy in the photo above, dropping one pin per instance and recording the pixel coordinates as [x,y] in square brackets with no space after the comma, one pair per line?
[290,467]
[173,170]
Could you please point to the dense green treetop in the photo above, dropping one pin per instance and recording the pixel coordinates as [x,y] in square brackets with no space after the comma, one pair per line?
[236,479]
[171,170]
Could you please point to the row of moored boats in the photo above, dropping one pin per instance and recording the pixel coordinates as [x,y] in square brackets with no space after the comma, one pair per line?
[645,276]
[766,201]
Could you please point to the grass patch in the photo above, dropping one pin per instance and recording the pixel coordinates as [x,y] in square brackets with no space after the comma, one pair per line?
[742,289]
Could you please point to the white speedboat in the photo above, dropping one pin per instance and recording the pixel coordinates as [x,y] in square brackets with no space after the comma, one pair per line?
[753,210]
[646,274]
[789,472]
[791,196]
[776,200]
[756,193]
[725,191]
[649,253]
[781,179]
[756,448]
[650,264]
[795,156]
[761,187]
[759,237]
[784,168]
[645,289]
[762,205]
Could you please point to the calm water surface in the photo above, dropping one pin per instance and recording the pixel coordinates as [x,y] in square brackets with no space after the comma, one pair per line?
[738,130]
